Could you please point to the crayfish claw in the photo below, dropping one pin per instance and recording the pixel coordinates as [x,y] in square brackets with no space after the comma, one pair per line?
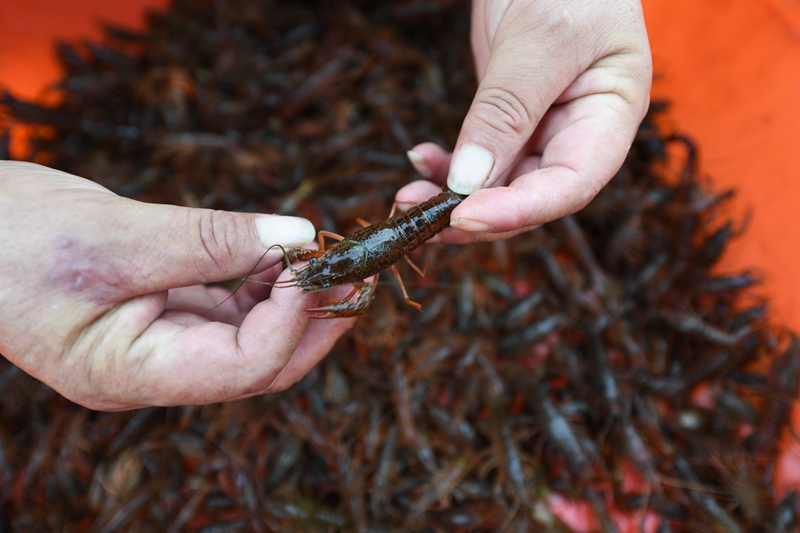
[347,306]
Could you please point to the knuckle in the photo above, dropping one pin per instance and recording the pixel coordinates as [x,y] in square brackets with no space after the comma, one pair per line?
[269,383]
[594,189]
[280,385]
[86,381]
[219,235]
[560,23]
[504,111]
[593,186]
[631,82]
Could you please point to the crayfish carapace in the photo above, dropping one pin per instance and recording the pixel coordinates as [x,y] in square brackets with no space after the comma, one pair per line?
[366,253]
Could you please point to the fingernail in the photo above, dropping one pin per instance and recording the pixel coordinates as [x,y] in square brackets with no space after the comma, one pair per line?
[470,169]
[291,232]
[473,226]
[420,163]
[404,206]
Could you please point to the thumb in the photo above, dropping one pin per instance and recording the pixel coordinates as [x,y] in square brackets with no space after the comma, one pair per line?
[173,246]
[526,72]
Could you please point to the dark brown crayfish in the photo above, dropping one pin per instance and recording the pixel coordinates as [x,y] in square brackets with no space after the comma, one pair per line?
[366,253]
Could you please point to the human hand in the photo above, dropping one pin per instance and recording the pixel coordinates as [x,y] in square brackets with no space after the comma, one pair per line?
[562,89]
[90,300]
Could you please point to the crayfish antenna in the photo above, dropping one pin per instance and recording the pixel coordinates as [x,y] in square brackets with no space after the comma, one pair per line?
[281,284]
[244,279]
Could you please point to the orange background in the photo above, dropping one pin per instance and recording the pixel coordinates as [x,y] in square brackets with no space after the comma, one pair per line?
[731,68]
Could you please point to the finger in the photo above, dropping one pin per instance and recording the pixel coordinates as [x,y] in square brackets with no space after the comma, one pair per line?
[139,356]
[316,344]
[431,161]
[457,236]
[195,246]
[600,88]
[524,166]
[419,191]
[257,288]
[110,248]
[319,337]
[543,54]
[525,74]
[482,27]
[416,192]
[200,299]
[221,304]
[587,148]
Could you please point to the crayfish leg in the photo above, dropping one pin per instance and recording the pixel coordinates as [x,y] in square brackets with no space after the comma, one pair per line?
[407,299]
[346,306]
[409,261]
[322,234]
[415,267]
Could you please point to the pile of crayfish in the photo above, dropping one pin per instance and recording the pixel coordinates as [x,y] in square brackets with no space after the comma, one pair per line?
[602,364]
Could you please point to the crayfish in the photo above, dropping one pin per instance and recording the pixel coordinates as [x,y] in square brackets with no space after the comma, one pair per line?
[366,253]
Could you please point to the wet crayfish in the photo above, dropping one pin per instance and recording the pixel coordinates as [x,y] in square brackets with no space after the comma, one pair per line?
[366,253]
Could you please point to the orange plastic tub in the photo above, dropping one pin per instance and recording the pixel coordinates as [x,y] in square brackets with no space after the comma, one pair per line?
[732,71]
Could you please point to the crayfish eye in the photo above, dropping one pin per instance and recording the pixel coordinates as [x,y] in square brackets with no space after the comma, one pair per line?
[313,261]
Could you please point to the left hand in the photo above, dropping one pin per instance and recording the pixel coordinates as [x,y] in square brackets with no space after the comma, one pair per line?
[563,87]
[103,297]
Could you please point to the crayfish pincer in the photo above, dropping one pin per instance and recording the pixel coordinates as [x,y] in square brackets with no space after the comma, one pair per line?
[366,253]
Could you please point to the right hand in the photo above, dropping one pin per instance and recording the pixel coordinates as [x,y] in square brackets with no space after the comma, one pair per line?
[563,86]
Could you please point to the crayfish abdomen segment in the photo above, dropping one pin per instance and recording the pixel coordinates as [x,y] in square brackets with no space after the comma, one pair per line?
[424,220]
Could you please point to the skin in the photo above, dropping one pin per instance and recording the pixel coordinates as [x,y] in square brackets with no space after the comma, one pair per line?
[563,86]
[100,298]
